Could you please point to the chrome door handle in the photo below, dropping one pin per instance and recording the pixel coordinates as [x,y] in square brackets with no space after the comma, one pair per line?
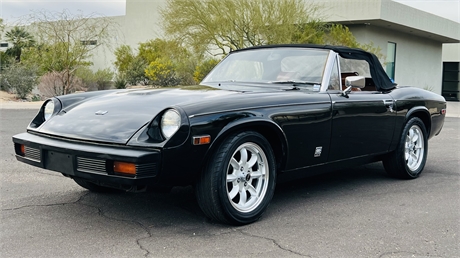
[389,104]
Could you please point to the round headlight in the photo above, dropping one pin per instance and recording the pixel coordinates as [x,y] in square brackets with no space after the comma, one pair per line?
[49,110]
[170,123]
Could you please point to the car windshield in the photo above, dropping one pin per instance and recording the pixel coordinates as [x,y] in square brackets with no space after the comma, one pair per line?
[271,67]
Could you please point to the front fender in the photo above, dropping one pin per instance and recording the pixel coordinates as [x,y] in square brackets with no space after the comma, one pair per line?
[269,129]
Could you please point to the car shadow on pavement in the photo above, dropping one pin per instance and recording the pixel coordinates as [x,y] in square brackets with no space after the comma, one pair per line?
[180,207]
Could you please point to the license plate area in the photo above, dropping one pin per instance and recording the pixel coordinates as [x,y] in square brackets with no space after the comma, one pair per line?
[60,162]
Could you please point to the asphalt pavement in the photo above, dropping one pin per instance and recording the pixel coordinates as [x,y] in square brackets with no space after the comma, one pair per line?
[358,212]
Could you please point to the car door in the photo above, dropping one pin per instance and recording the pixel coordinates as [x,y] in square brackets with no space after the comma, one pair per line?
[362,124]
[362,121]
[307,128]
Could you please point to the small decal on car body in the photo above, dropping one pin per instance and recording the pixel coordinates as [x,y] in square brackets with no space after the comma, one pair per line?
[318,151]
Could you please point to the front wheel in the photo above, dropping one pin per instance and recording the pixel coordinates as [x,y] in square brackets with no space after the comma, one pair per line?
[409,159]
[238,182]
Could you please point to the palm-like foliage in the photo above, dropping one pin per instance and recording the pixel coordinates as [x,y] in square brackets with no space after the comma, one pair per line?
[20,39]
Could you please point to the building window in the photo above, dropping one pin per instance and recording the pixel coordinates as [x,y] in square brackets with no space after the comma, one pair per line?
[391,60]
[3,44]
[451,81]
[89,42]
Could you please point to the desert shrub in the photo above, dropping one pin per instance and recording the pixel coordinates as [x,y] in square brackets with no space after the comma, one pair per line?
[162,73]
[103,79]
[86,75]
[203,68]
[19,79]
[99,80]
[5,60]
[135,73]
[120,81]
[51,84]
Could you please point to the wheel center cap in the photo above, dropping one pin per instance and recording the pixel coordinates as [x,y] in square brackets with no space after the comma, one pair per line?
[248,177]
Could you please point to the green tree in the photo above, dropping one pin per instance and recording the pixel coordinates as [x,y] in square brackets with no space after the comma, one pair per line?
[170,51]
[70,41]
[214,26]
[60,59]
[2,27]
[124,57]
[20,39]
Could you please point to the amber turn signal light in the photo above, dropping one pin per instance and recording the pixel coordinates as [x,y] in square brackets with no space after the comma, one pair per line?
[22,150]
[124,168]
[201,140]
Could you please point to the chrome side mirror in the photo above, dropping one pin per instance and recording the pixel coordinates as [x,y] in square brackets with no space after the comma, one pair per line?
[355,81]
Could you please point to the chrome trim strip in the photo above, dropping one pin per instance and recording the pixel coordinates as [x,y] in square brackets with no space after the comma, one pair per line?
[258,107]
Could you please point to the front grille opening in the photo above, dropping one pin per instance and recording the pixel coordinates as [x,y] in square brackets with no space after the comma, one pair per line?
[32,153]
[88,165]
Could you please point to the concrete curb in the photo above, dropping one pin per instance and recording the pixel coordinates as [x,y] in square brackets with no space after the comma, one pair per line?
[453,108]
[20,105]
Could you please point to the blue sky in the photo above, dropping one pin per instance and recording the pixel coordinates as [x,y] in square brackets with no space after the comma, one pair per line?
[11,10]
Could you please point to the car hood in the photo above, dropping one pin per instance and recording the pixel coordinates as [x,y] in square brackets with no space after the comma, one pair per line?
[114,117]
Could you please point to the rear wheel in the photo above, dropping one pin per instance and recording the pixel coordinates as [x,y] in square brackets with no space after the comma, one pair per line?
[239,181]
[94,187]
[409,159]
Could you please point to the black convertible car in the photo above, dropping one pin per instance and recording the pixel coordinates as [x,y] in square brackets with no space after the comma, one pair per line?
[262,115]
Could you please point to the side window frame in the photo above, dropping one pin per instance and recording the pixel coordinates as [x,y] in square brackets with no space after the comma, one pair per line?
[333,61]
[335,68]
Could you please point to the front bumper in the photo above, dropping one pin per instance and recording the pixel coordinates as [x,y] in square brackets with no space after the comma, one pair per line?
[89,161]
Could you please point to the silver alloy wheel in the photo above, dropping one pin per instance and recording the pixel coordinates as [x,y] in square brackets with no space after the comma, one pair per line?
[247,177]
[414,148]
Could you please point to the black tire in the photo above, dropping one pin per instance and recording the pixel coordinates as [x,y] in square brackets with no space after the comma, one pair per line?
[409,158]
[238,196]
[94,187]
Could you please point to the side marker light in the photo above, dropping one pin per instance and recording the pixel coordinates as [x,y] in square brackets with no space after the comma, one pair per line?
[201,140]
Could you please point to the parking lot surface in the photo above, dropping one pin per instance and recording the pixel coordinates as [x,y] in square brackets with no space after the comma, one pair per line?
[358,212]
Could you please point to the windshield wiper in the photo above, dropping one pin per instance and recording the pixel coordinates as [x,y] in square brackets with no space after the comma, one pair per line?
[316,86]
[294,83]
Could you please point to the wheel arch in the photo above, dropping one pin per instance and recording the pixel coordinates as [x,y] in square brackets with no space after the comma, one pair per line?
[270,130]
[423,114]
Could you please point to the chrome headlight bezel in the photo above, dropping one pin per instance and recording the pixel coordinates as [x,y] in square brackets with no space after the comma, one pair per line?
[170,123]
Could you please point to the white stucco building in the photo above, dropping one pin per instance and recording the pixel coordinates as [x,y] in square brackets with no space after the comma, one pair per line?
[411,39]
